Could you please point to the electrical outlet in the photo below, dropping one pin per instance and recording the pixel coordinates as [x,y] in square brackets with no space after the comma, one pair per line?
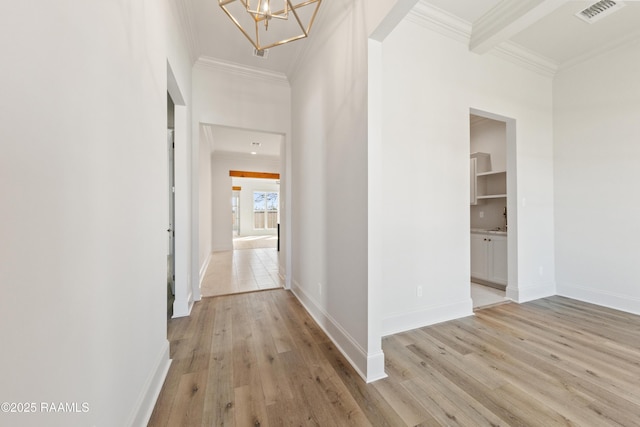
[419,291]
[540,271]
[319,288]
[481,214]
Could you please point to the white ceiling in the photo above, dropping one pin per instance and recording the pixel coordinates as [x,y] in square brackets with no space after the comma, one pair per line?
[234,140]
[217,37]
[547,29]
[561,36]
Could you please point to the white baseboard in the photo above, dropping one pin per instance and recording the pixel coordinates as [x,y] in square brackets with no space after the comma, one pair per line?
[203,268]
[525,293]
[182,307]
[369,367]
[427,316]
[375,367]
[624,303]
[147,400]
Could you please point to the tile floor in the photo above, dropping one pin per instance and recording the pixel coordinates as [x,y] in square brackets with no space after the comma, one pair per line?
[254,267]
[484,296]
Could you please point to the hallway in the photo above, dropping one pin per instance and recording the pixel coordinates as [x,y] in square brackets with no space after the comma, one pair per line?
[251,266]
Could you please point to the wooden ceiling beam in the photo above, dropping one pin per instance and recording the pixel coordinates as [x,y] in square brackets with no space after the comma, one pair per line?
[248,174]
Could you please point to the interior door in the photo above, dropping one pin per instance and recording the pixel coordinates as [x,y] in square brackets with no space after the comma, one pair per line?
[171,263]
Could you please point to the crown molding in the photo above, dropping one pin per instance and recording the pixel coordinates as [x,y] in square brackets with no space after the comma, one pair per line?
[507,19]
[447,24]
[526,58]
[186,20]
[208,63]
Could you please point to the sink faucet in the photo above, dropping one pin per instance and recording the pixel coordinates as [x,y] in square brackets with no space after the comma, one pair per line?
[504,212]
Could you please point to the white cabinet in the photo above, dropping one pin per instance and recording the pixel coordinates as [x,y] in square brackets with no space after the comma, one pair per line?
[489,258]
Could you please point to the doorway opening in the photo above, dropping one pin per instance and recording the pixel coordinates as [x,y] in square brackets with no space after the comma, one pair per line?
[490,174]
[253,263]
[171,246]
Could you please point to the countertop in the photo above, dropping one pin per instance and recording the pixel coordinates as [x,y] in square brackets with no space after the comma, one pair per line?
[500,232]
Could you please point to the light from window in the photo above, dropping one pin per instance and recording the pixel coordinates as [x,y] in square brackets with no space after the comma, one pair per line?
[265,210]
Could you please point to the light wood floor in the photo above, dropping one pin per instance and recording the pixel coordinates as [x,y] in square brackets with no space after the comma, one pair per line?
[259,360]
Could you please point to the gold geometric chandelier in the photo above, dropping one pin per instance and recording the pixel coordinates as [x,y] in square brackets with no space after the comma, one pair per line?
[266,23]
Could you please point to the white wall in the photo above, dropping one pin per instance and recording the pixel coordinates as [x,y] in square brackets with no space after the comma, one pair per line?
[329,149]
[186,222]
[221,183]
[205,202]
[83,275]
[596,128]
[427,93]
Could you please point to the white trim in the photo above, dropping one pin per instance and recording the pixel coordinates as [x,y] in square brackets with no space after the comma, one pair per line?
[344,342]
[526,58]
[615,301]
[182,307]
[282,274]
[203,269]
[146,401]
[529,293]
[426,316]
[208,63]
[449,25]
[440,21]
[222,248]
[375,367]
[375,247]
[506,19]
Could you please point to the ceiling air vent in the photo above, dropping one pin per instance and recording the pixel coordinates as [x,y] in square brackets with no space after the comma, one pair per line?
[261,53]
[599,10]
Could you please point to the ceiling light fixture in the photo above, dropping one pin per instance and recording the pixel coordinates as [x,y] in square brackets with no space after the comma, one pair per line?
[266,23]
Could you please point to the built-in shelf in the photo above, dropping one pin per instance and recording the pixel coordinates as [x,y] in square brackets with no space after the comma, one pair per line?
[486,183]
[492,196]
[490,173]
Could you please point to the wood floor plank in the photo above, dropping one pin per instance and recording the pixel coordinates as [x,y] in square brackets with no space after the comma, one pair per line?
[376,409]
[439,388]
[189,402]
[250,409]
[260,359]
[219,408]
[581,363]
[270,366]
[407,405]
[279,331]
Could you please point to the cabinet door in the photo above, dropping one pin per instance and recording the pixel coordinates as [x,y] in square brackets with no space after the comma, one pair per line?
[498,259]
[479,256]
